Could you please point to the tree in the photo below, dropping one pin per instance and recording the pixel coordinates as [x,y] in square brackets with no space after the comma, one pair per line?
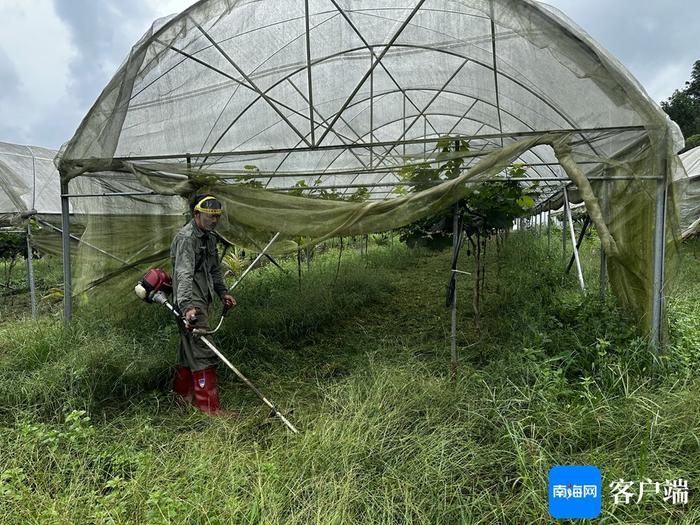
[12,247]
[684,107]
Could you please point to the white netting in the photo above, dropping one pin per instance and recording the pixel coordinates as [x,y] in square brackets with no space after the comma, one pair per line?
[342,93]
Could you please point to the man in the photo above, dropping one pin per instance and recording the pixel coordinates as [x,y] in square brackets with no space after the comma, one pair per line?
[196,280]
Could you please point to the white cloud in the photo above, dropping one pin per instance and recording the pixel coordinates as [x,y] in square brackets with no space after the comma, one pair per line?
[38,50]
[53,67]
[54,62]
[662,83]
[162,8]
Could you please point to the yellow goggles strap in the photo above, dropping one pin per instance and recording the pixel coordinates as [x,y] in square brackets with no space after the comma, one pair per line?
[210,211]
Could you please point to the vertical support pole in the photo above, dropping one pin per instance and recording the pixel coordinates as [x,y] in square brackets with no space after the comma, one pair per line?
[657,304]
[603,286]
[495,70]
[371,109]
[577,246]
[30,272]
[30,262]
[549,227]
[188,158]
[404,122]
[453,333]
[564,225]
[65,234]
[573,242]
[603,277]
[308,74]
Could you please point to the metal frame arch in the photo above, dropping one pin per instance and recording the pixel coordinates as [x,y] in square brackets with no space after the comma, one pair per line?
[457,93]
[397,46]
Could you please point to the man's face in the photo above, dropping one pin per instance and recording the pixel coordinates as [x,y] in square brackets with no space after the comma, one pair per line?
[206,221]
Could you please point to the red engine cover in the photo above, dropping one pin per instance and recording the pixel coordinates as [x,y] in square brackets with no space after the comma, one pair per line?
[157,280]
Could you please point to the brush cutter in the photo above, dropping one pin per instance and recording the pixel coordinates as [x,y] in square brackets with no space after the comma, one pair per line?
[154,287]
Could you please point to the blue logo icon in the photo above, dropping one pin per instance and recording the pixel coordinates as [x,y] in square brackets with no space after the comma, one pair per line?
[575,492]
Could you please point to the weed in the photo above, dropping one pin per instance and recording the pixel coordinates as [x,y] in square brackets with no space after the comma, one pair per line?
[90,434]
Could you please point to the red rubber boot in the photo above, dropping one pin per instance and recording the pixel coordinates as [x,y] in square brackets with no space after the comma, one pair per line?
[206,391]
[184,385]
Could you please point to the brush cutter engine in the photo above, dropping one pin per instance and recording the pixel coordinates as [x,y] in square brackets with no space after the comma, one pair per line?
[155,286]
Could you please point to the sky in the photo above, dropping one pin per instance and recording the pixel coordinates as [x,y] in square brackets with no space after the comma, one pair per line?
[56,56]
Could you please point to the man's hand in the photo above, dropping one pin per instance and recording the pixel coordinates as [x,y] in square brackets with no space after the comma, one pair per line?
[229,301]
[189,314]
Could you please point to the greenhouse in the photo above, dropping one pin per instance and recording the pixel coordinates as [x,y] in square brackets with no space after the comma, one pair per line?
[30,204]
[264,102]
[689,199]
[30,191]
[28,180]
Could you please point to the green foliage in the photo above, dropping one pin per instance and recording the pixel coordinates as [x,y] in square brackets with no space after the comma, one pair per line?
[324,193]
[360,195]
[12,244]
[317,191]
[684,105]
[75,430]
[422,176]
[199,181]
[692,142]
[493,206]
[13,484]
[251,180]
[15,301]
[13,247]
[431,232]
[163,508]
[683,354]
[233,262]
[276,309]
[488,207]
[300,186]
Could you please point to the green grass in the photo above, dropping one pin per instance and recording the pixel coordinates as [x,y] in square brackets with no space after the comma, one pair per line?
[15,300]
[361,363]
